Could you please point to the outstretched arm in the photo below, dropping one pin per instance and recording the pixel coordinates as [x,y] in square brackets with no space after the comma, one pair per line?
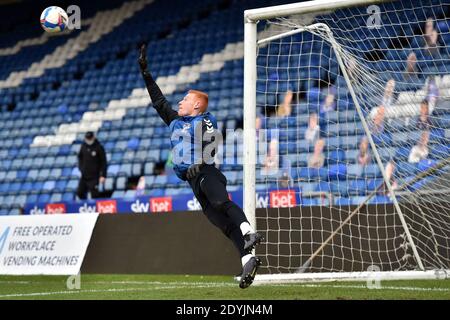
[160,103]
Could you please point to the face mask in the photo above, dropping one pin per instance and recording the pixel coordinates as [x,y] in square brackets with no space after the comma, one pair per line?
[89,142]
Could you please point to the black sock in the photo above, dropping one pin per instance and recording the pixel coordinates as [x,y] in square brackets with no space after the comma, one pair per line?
[238,241]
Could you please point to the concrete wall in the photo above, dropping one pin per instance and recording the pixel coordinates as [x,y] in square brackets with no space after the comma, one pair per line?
[166,243]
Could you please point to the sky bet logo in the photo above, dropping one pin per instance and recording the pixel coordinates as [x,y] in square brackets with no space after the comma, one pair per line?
[140,207]
[87,209]
[194,205]
[55,208]
[282,199]
[107,206]
[37,210]
[3,237]
[162,204]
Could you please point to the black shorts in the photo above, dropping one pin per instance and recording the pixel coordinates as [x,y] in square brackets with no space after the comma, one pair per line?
[209,186]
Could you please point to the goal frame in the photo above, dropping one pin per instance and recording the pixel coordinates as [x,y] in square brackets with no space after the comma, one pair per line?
[251,19]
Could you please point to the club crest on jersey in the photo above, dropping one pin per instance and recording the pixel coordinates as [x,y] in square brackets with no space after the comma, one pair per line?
[94,153]
[186,127]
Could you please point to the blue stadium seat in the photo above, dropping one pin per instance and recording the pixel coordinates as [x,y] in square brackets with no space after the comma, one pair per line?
[56,197]
[337,171]
[371,171]
[342,201]
[60,185]
[148,168]
[130,194]
[357,186]
[11,176]
[22,174]
[426,164]
[336,157]
[121,183]
[55,173]
[153,155]
[27,187]
[156,192]
[109,184]
[68,196]
[136,169]
[118,194]
[32,198]
[172,179]
[71,186]
[354,170]
[160,180]
[113,170]
[66,172]
[374,184]
[20,200]
[125,169]
[75,173]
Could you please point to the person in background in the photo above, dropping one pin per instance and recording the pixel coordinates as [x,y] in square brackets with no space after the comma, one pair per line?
[351,67]
[432,94]
[432,48]
[377,125]
[140,188]
[312,133]
[410,73]
[285,109]
[272,160]
[285,180]
[92,164]
[420,150]
[423,120]
[364,157]
[259,125]
[317,159]
[429,29]
[329,103]
[390,171]
[388,96]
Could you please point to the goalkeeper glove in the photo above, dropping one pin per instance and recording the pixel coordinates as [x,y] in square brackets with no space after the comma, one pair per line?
[143,57]
[193,171]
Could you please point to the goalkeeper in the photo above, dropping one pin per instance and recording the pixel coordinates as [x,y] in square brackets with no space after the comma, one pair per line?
[206,181]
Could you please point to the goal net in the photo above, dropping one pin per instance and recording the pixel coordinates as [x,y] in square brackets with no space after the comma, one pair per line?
[353,99]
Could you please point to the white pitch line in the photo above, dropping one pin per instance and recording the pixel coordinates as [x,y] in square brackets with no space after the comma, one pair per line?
[200,285]
[34,294]
[365,287]
[184,283]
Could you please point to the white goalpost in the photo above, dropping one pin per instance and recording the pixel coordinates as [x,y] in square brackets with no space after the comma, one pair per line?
[356,96]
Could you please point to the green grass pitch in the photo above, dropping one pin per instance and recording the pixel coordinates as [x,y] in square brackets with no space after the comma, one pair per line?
[209,287]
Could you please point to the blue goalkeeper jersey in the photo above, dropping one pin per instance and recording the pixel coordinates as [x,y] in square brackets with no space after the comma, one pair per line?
[189,138]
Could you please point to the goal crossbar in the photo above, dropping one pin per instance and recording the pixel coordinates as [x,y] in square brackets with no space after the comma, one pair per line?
[253,15]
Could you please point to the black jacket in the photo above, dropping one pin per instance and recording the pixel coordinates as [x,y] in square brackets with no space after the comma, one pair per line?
[92,161]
